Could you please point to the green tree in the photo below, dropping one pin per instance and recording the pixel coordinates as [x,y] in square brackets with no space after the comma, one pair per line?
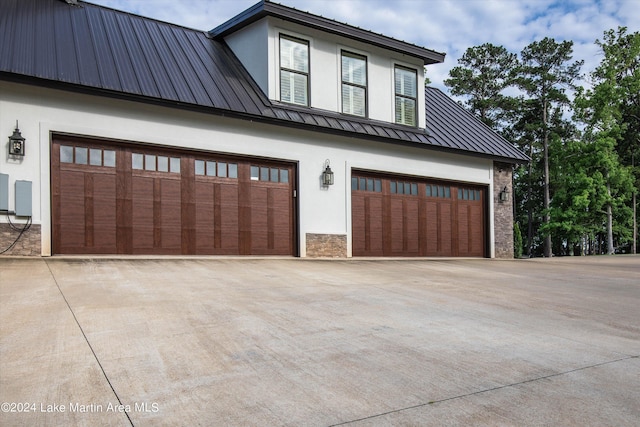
[483,74]
[611,112]
[590,194]
[517,241]
[545,74]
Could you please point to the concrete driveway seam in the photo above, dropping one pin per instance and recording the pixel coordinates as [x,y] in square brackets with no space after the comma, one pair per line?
[75,318]
[488,390]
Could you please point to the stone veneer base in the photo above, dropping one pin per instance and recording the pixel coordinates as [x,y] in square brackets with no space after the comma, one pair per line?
[29,243]
[326,245]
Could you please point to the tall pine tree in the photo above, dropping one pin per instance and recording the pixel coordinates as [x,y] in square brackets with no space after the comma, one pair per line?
[545,74]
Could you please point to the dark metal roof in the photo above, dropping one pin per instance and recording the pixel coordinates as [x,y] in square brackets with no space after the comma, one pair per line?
[450,125]
[112,51]
[267,8]
[102,51]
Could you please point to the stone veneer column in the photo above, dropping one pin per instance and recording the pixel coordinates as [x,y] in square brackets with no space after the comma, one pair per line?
[326,245]
[27,245]
[503,211]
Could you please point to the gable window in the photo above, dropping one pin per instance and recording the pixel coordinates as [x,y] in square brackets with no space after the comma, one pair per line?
[294,70]
[406,95]
[354,84]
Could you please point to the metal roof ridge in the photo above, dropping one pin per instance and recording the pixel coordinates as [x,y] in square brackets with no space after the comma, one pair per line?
[136,15]
[269,8]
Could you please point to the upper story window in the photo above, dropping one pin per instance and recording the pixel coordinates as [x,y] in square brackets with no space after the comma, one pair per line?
[406,95]
[294,70]
[354,84]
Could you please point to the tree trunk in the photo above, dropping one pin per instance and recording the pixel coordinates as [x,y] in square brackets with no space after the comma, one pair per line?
[548,252]
[610,250]
[635,226]
[635,221]
[530,208]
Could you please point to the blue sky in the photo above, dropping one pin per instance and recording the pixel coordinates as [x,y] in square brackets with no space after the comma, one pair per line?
[449,26]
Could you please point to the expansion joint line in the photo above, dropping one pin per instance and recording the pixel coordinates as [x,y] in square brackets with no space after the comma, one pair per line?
[87,341]
[421,405]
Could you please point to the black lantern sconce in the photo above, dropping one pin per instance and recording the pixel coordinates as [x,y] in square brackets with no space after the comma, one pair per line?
[504,195]
[327,174]
[16,143]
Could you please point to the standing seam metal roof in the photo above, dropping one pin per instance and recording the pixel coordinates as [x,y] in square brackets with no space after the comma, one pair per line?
[103,51]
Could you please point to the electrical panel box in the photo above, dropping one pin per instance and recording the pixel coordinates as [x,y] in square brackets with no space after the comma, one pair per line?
[23,198]
[4,192]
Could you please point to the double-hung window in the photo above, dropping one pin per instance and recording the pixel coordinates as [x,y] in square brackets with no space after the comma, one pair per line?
[406,96]
[294,70]
[354,84]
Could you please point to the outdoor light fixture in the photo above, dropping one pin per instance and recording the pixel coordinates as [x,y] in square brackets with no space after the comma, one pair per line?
[16,143]
[504,195]
[327,174]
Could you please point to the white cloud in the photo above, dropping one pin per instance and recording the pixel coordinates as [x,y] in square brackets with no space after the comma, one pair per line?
[449,26]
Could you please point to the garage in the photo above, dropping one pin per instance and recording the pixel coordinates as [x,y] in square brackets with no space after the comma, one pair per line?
[407,216]
[116,198]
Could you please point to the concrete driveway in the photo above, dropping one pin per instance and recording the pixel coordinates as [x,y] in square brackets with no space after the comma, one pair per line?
[292,342]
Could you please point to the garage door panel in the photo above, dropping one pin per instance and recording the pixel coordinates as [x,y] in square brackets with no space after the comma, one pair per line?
[417,217]
[476,227]
[142,215]
[412,226]
[72,211]
[397,224]
[259,221]
[134,199]
[169,219]
[375,226]
[104,213]
[357,224]
[279,202]
[463,230]
[217,218]
[432,229]
[228,219]
[204,217]
[445,225]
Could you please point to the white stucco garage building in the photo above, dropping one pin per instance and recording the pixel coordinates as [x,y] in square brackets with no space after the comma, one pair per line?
[142,137]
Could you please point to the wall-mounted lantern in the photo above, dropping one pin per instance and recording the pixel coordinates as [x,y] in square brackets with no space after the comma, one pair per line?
[327,174]
[504,195]
[16,143]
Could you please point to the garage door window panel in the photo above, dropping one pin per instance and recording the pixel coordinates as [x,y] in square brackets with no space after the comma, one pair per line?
[366,184]
[86,156]
[155,163]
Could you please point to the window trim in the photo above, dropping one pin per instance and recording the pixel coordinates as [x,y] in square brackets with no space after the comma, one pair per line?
[348,53]
[281,68]
[396,95]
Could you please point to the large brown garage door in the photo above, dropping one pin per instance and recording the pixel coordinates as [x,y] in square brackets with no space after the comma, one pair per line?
[396,216]
[110,198]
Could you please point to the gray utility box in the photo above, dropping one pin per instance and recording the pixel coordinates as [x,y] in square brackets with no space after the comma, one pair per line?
[23,198]
[4,192]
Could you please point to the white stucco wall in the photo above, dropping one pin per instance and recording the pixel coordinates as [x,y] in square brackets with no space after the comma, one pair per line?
[325,63]
[321,210]
[251,46]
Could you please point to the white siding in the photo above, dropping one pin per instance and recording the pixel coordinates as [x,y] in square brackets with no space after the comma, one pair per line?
[321,210]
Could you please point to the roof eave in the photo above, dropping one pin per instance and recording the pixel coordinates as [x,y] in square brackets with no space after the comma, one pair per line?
[267,119]
[266,8]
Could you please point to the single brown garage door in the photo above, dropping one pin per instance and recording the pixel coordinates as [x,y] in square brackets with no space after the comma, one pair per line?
[396,216]
[110,198]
